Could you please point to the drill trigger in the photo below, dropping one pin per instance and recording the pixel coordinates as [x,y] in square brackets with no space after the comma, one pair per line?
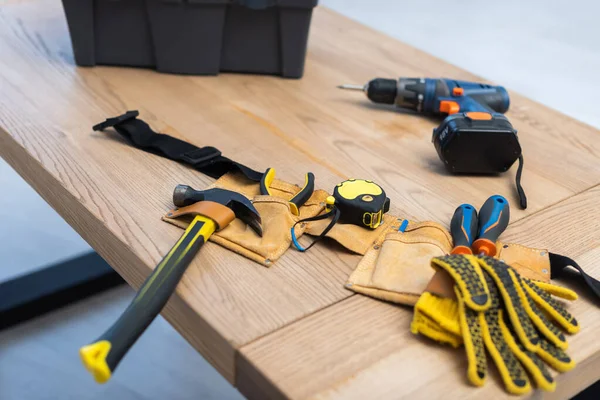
[450,107]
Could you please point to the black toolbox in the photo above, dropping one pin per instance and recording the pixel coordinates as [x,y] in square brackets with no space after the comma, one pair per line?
[192,36]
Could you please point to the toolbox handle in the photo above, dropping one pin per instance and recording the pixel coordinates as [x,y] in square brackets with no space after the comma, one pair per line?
[256,4]
[251,4]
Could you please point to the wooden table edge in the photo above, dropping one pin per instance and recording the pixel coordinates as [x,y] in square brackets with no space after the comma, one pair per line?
[177,311]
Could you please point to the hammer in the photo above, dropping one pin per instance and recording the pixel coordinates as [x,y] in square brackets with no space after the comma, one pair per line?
[214,209]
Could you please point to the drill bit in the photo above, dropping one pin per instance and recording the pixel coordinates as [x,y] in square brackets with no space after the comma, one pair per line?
[352,87]
[378,90]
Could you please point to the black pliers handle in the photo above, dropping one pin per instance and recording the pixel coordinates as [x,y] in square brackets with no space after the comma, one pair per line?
[299,198]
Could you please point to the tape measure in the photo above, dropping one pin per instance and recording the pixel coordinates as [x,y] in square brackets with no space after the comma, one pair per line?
[358,202]
[361,202]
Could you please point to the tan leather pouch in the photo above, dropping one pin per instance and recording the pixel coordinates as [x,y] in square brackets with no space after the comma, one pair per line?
[357,239]
[275,213]
[529,262]
[399,269]
[405,285]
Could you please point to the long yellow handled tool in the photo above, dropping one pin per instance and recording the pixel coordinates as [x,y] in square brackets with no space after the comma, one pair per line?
[214,210]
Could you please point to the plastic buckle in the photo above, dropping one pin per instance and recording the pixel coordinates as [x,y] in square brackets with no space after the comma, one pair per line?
[110,122]
[201,156]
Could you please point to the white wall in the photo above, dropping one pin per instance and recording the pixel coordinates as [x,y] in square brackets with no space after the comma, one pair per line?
[548,50]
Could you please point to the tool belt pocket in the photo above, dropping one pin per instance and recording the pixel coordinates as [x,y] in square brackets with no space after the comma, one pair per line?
[276,222]
[355,238]
[399,269]
[277,219]
[530,262]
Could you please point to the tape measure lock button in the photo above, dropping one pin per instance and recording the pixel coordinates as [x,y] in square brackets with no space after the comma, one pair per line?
[329,202]
[372,220]
[368,220]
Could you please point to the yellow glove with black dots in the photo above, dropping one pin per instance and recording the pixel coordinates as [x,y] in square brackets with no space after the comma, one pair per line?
[494,308]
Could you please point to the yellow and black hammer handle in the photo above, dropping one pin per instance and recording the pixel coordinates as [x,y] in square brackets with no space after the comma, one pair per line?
[103,355]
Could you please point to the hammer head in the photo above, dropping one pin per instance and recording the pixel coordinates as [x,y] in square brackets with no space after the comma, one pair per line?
[239,204]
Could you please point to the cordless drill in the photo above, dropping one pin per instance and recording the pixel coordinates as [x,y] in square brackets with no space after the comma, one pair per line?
[475,137]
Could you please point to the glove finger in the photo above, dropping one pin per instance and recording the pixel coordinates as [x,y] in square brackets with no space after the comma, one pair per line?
[473,341]
[512,372]
[539,319]
[556,310]
[421,324]
[555,357]
[467,274]
[557,291]
[506,283]
[443,311]
[532,363]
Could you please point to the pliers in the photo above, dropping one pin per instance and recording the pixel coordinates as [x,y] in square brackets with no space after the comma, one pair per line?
[299,198]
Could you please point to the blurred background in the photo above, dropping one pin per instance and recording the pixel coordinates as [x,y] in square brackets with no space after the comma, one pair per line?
[547,50]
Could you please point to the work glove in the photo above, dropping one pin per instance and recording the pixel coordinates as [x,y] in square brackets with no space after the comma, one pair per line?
[485,304]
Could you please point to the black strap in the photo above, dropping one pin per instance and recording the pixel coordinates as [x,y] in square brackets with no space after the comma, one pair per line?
[522,197]
[558,263]
[336,216]
[207,160]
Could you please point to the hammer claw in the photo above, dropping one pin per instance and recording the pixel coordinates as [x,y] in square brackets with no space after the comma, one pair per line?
[241,206]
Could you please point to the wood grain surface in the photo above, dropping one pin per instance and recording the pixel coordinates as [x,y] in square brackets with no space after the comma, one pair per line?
[114,195]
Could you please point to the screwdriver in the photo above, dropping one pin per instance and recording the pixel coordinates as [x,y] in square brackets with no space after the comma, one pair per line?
[463,228]
[493,220]
[494,216]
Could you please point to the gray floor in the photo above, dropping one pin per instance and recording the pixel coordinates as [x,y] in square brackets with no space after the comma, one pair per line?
[39,360]
[547,50]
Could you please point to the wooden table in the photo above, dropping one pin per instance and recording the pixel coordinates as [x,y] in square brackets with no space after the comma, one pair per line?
[291,330]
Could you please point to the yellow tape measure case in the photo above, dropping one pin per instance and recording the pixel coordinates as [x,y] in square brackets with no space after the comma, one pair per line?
[360,202]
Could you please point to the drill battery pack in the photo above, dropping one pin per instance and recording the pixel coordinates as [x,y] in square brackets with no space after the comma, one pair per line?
[477,143]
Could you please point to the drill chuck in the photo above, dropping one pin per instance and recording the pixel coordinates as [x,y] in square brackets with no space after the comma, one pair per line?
[404,92]
[380,90]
